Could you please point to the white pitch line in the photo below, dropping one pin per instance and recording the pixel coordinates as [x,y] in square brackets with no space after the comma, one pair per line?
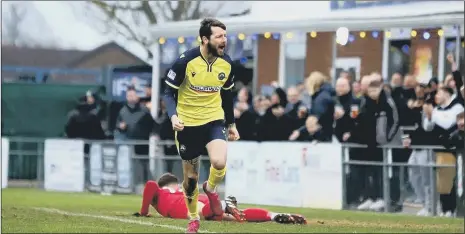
[111,218]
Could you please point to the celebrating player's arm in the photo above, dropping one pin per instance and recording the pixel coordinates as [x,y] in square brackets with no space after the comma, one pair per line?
[227,104]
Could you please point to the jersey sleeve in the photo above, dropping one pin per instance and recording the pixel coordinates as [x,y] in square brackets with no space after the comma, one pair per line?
[230,81]
[176,74]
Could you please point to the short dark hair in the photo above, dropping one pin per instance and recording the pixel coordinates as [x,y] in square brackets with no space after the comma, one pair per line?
[131,88]
[447,90]
[167,179]
[206,27]
[461,115]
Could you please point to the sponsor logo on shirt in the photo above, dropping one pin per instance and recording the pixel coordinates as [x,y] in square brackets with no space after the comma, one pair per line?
[171,74]
[205,89]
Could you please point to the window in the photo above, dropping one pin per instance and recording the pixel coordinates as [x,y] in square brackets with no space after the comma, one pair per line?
[450,48]
[399,57]
[295,49]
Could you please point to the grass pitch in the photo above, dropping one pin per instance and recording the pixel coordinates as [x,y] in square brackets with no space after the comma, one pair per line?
[32,211]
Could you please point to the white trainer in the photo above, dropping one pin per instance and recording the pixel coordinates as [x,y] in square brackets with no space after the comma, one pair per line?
[365,205]
[424,212]
[377,205]
[448,214]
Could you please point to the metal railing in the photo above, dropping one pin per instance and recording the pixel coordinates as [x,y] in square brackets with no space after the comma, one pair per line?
[387,166]
[27,164]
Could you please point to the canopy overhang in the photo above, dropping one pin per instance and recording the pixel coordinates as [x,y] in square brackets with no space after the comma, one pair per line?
[414,15]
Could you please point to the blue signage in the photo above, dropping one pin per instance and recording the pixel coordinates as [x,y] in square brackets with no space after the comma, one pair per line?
[122,80]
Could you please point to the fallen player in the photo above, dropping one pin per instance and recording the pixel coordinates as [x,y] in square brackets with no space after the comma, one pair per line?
[168,200]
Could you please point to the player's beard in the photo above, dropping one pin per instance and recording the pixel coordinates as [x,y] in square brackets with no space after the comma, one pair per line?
[213,50]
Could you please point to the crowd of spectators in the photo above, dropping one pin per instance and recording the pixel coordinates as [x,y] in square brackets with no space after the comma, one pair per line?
[368,111]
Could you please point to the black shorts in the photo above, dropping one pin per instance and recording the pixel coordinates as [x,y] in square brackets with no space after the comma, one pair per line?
[191,141]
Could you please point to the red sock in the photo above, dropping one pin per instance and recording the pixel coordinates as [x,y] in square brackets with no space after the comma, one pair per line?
[150,191]
[257,215]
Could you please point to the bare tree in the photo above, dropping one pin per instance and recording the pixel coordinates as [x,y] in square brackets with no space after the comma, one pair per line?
[131,19]
[12,18]
[18,18]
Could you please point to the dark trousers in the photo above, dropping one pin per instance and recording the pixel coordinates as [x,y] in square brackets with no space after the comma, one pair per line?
[364,181]
[449,201]
[399,156]
[373,174]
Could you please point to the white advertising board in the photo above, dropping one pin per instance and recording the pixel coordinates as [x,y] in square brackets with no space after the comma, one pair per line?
[323,176]
[285,174]
[241,174]
[64,165]
[5,157]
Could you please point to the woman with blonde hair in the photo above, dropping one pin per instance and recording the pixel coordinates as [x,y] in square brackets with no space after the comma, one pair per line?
[319,101]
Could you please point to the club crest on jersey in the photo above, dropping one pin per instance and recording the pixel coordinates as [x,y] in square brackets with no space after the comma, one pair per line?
[193,74]
[221,76]
[182,148]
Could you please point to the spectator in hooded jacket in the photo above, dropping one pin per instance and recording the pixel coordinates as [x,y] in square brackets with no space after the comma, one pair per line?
[84,123]
[277,125]
[319,101]
[376,124]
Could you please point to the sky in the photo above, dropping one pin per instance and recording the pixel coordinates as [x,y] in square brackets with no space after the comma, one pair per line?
[67,22]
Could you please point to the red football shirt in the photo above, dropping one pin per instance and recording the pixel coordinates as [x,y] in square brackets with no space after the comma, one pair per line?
[171,203]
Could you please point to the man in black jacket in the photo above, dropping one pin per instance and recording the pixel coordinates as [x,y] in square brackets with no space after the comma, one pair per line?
[346,110]
[377,124]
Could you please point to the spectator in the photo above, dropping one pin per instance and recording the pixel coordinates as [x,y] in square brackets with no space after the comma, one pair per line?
[346,75]
[294,107]
[431,91]
[456,138]
[410,82]
[440,123]
[244,96]
[277,126]
[320,103]
[356,90]
[134,122]
[396,86]
[147,100]
[84,123]
[279,97]
[346,111]
[376,124]
[364,83]
[418,176]
[456,83]
[247,119]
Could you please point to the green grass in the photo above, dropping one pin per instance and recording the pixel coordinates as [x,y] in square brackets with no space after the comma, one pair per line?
[19,215]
